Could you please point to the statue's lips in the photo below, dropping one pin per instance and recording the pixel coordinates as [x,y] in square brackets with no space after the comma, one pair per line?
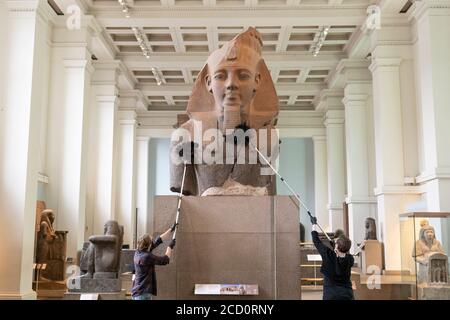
[231,99]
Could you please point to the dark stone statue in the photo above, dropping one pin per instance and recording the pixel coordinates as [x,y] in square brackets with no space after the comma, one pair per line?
[51,248]
[371,229]
[101,255]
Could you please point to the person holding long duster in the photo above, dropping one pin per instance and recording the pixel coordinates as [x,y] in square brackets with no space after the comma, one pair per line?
[336,266]
[144,283]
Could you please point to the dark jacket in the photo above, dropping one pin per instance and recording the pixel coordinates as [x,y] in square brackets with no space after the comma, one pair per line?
[145,275]
[336,270]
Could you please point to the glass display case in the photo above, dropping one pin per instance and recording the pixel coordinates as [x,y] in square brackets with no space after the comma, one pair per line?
[425,246]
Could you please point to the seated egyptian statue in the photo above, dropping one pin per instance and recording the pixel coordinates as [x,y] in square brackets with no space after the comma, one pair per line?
[101,255]
[232,111]
[50,247]
[426,246]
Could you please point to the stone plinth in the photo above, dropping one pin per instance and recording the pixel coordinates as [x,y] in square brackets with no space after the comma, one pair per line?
[426,292]
[231,240]
[372,257]
[120,295]
[93,285]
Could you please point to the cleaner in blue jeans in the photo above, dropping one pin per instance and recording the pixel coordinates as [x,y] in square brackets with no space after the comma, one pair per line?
[144,283]
[336,266]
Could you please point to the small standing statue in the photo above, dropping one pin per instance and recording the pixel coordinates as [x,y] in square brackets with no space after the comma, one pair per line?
[101,259]
[51,247]
[426,246]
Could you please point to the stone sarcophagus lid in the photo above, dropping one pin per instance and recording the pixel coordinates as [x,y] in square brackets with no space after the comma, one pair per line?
[230,240]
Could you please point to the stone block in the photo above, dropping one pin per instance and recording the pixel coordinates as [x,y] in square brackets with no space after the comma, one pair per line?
[230,240]
[98,285]
[372,255]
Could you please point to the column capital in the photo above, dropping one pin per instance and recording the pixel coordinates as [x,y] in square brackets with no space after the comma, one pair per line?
[355,100]
[107,98]
[70,64]
[360,200]
[378,63]
[334,117]
[29,8]
[431,7]
[386,190]
[319,139]
[329,99]
[143,138]
[127,117]
[349,70]
[335,206]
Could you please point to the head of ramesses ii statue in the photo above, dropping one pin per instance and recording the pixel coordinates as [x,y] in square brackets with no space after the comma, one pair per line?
[235,86]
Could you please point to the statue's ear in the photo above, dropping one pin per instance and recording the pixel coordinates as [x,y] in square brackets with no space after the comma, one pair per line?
[208,82]
[201,99]
[258,79]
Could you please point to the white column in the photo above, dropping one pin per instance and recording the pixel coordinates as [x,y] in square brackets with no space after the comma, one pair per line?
[68,133]
[22,101]
[392,195]
[360,199]
[145,223]
[330,102]
[100,197]
[126,205]
[432,49]
[321,181]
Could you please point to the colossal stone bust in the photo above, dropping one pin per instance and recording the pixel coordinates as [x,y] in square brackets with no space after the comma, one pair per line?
[371,229]
[101,257]
[233,90]
[424,248]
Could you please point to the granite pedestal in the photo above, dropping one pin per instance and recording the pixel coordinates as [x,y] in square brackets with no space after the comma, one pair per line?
[230,240]
[98,285]
[426,292]
[372,257]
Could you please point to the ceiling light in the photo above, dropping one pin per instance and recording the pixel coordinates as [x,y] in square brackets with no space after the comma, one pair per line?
[159,80]
[125,8]
[141,41]
[315,48]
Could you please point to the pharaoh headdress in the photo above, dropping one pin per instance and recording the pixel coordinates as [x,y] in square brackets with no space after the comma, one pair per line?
[244,49]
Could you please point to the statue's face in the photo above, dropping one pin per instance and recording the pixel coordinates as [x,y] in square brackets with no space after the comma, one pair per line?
[233,85]
[51,218]
[429,235]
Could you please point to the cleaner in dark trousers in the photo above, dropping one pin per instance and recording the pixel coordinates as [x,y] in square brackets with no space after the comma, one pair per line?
[336,266]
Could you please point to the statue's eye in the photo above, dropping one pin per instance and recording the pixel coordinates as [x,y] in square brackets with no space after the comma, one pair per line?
[219,76]
[244,75]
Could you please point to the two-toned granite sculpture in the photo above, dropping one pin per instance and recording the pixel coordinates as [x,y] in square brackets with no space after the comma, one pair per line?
[234,90]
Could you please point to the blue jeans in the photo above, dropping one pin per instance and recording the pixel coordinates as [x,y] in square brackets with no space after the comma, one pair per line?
[144,296]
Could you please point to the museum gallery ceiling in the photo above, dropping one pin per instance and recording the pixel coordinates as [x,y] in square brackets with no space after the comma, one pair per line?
[178,35]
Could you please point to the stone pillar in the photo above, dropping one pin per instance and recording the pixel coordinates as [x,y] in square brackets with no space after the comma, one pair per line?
[67,138]
[392,195]
[126,205]
[145,223]
[432,21]
[360,198]
[100,198]
[321,181]
[22,101]
[334,123]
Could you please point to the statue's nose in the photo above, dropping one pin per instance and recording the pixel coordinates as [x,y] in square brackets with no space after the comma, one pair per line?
[232,83]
